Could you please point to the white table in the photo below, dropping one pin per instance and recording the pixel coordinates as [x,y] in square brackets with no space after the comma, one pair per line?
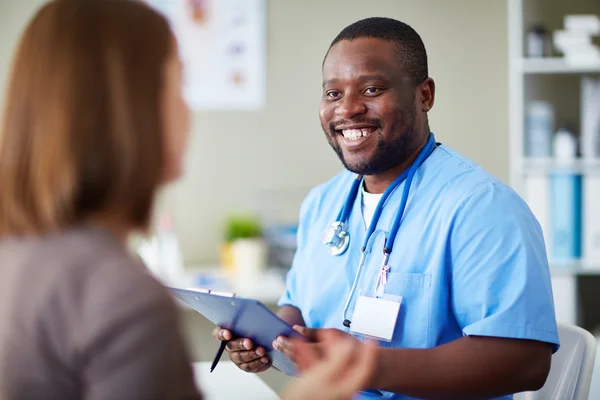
[228,382]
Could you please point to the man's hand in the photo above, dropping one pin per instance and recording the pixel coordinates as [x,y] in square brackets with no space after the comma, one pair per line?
[334,368]
[312,352]
[243,353]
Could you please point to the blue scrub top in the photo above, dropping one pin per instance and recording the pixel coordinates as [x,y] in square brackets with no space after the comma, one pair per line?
[469,259]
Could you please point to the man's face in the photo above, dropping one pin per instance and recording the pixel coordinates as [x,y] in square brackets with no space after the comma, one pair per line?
[368,108]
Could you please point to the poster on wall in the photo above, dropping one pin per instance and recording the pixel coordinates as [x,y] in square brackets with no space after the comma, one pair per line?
[222,44]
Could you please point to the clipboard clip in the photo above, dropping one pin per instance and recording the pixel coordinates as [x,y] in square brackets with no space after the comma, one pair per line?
[223,294]
[213,292]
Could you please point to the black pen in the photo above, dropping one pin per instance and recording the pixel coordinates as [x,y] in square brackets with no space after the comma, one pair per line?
[219,354]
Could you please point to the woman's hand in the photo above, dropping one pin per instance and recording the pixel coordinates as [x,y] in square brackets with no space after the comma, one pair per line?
[335,370]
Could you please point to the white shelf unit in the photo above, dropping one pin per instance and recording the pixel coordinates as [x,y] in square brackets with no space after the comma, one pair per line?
[552,65]
[548,71]
[547,165]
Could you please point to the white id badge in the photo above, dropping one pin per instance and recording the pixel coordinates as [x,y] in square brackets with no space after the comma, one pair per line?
[376,317]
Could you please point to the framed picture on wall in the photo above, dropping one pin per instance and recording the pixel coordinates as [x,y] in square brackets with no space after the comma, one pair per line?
[222,44]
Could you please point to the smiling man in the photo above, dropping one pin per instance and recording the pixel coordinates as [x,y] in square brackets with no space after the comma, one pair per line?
[423,249]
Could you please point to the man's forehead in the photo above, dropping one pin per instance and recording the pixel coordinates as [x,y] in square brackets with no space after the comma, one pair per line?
[364,57]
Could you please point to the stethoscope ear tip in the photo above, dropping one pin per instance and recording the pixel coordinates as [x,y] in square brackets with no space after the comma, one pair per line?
[346,323]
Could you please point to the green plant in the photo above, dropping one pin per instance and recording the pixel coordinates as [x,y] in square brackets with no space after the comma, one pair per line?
[242,227]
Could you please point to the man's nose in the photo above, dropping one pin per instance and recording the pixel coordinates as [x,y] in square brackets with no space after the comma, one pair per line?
[350,106]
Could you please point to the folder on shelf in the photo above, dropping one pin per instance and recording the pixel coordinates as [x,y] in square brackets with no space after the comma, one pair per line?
[565,215]
[591,222]
[590,117]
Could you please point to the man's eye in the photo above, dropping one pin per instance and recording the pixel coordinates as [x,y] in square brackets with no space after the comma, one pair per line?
[372,90]
[333,94]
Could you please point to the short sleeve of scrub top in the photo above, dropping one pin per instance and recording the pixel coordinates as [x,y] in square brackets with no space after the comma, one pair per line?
[500,276]
[289,296]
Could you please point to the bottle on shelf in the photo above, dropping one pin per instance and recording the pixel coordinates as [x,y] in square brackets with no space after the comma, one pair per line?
[564,145]
[538,42]
[540,125]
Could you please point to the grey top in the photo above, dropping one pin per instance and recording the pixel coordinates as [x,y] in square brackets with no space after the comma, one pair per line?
[81,318]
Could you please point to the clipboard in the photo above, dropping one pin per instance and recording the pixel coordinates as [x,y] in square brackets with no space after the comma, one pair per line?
[246,318]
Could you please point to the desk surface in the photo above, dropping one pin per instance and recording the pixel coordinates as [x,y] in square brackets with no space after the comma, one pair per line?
[228,382]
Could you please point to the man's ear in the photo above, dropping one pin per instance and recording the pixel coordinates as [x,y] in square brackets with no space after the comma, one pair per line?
[426,92]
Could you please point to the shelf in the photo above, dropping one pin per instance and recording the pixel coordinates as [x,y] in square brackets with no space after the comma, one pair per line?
[553,65]
[575,268]
[539,166]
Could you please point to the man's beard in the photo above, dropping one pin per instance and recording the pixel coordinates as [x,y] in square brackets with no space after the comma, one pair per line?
[389,152]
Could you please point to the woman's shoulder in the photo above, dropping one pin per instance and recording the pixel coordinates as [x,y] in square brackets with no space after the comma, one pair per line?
[88,269]
[109,272]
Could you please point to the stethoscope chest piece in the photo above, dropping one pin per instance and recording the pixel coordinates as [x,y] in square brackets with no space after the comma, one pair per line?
[336,238]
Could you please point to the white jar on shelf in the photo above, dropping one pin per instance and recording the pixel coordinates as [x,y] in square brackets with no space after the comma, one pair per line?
[564,145]
[540,127]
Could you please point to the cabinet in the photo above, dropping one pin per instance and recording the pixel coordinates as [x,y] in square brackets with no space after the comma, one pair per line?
[553,79]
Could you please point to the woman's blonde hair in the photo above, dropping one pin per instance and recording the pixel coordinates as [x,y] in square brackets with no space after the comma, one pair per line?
[82,132]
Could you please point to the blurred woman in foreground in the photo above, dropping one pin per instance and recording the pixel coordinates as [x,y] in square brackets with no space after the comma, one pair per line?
[94,125]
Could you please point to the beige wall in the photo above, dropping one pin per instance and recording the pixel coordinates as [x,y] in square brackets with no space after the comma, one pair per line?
[238,159]
[13,16]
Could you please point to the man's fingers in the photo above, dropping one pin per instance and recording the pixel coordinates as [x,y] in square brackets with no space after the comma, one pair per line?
[240,345]
[259,365]
[260,352]
[265,367]
[222,334]
[242,352]
[244,357]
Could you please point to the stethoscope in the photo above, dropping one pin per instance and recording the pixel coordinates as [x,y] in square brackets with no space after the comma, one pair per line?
[338,239]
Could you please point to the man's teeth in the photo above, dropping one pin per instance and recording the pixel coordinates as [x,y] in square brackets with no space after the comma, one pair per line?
[355,134]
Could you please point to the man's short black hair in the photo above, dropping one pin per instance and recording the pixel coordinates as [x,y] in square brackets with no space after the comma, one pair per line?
[411,50]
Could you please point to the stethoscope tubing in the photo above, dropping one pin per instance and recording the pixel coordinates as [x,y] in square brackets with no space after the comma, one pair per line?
[389,242]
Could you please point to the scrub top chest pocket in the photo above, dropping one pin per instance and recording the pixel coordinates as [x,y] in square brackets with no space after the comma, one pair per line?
[412,325]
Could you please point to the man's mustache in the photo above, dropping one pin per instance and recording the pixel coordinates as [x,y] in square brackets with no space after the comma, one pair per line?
[333,126]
